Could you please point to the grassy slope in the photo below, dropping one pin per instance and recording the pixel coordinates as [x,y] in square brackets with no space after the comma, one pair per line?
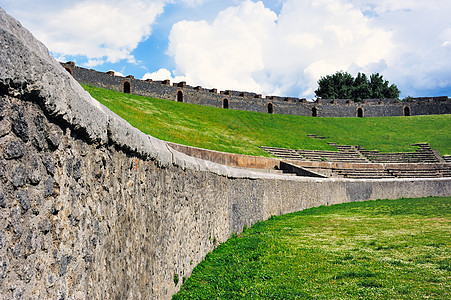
[243,132]
[385,249]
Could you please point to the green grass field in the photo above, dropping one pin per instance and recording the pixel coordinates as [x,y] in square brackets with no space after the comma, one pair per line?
[243,132]
[384,249]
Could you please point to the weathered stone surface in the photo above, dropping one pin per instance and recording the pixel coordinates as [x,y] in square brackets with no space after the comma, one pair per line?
[5,126]
[35,171]
[39,140]
[3,174]
[65,260]
[36,204]
[49,189]
[49,164]
[2,108]
[116,213]
[3,267]
[14,149]
[2,201]
[73,167]
[20,126]
[23,199]
[53,140]
[19,176]
[45,226]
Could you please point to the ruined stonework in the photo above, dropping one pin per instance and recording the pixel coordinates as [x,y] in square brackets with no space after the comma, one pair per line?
[253,102]
[92,208]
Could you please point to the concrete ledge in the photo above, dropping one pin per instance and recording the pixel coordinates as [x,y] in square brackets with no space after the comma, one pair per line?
[228,159]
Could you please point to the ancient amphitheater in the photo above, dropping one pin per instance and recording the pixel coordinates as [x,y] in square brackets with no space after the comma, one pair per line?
[92,208]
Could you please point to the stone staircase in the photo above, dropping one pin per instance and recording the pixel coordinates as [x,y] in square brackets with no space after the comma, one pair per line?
[444,171]
[430,164]
[283,153]
[345,153]
[423,154]
[436,172]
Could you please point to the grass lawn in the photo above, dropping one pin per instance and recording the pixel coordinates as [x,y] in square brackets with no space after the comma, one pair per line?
[244,132]
[384,249]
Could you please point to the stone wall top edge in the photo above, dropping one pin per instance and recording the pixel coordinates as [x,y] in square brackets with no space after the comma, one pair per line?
[249,95]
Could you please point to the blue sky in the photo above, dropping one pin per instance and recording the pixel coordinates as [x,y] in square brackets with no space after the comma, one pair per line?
[273,47]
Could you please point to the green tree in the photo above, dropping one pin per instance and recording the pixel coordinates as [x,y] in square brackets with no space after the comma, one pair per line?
[361,88]
[337,86]
[342,85]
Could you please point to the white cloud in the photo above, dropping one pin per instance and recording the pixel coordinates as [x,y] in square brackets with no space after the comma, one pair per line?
[161,74]
[249,47]
[193,2]
[420,59]
[223,54]
[105,30]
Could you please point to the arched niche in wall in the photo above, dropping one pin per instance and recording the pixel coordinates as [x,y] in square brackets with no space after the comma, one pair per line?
[69,69]
[225,103]
[270,108]
[360,112]
[406,111]
[314,112]
[127,87]
[179,96]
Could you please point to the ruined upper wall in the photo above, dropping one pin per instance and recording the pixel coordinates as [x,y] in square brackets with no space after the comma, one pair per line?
[254,102]
[92,208]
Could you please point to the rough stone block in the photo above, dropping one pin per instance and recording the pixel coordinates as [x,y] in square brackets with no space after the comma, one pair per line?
[23,199]
[19,176]
[14,149]
[19,124]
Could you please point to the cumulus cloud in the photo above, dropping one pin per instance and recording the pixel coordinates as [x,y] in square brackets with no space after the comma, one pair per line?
[249,47]
[223,54]
[102,31]
[421,30]
[161,74]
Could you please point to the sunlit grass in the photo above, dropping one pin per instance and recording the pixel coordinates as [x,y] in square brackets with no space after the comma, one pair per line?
[244,132]
[385,249]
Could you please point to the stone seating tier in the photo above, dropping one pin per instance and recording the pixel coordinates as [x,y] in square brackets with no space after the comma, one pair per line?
[358,155]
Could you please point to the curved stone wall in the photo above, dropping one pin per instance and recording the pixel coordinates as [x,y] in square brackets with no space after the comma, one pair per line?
[253,102]
[92,208]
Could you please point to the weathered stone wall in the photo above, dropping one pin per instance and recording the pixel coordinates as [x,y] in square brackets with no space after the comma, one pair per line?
[251,102]
[91,208]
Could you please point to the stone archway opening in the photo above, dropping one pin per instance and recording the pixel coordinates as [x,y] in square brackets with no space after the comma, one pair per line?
[179,96]
[360,112]
[406,111]
[314,112]
[270,108]
[127,88]
[225,103]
